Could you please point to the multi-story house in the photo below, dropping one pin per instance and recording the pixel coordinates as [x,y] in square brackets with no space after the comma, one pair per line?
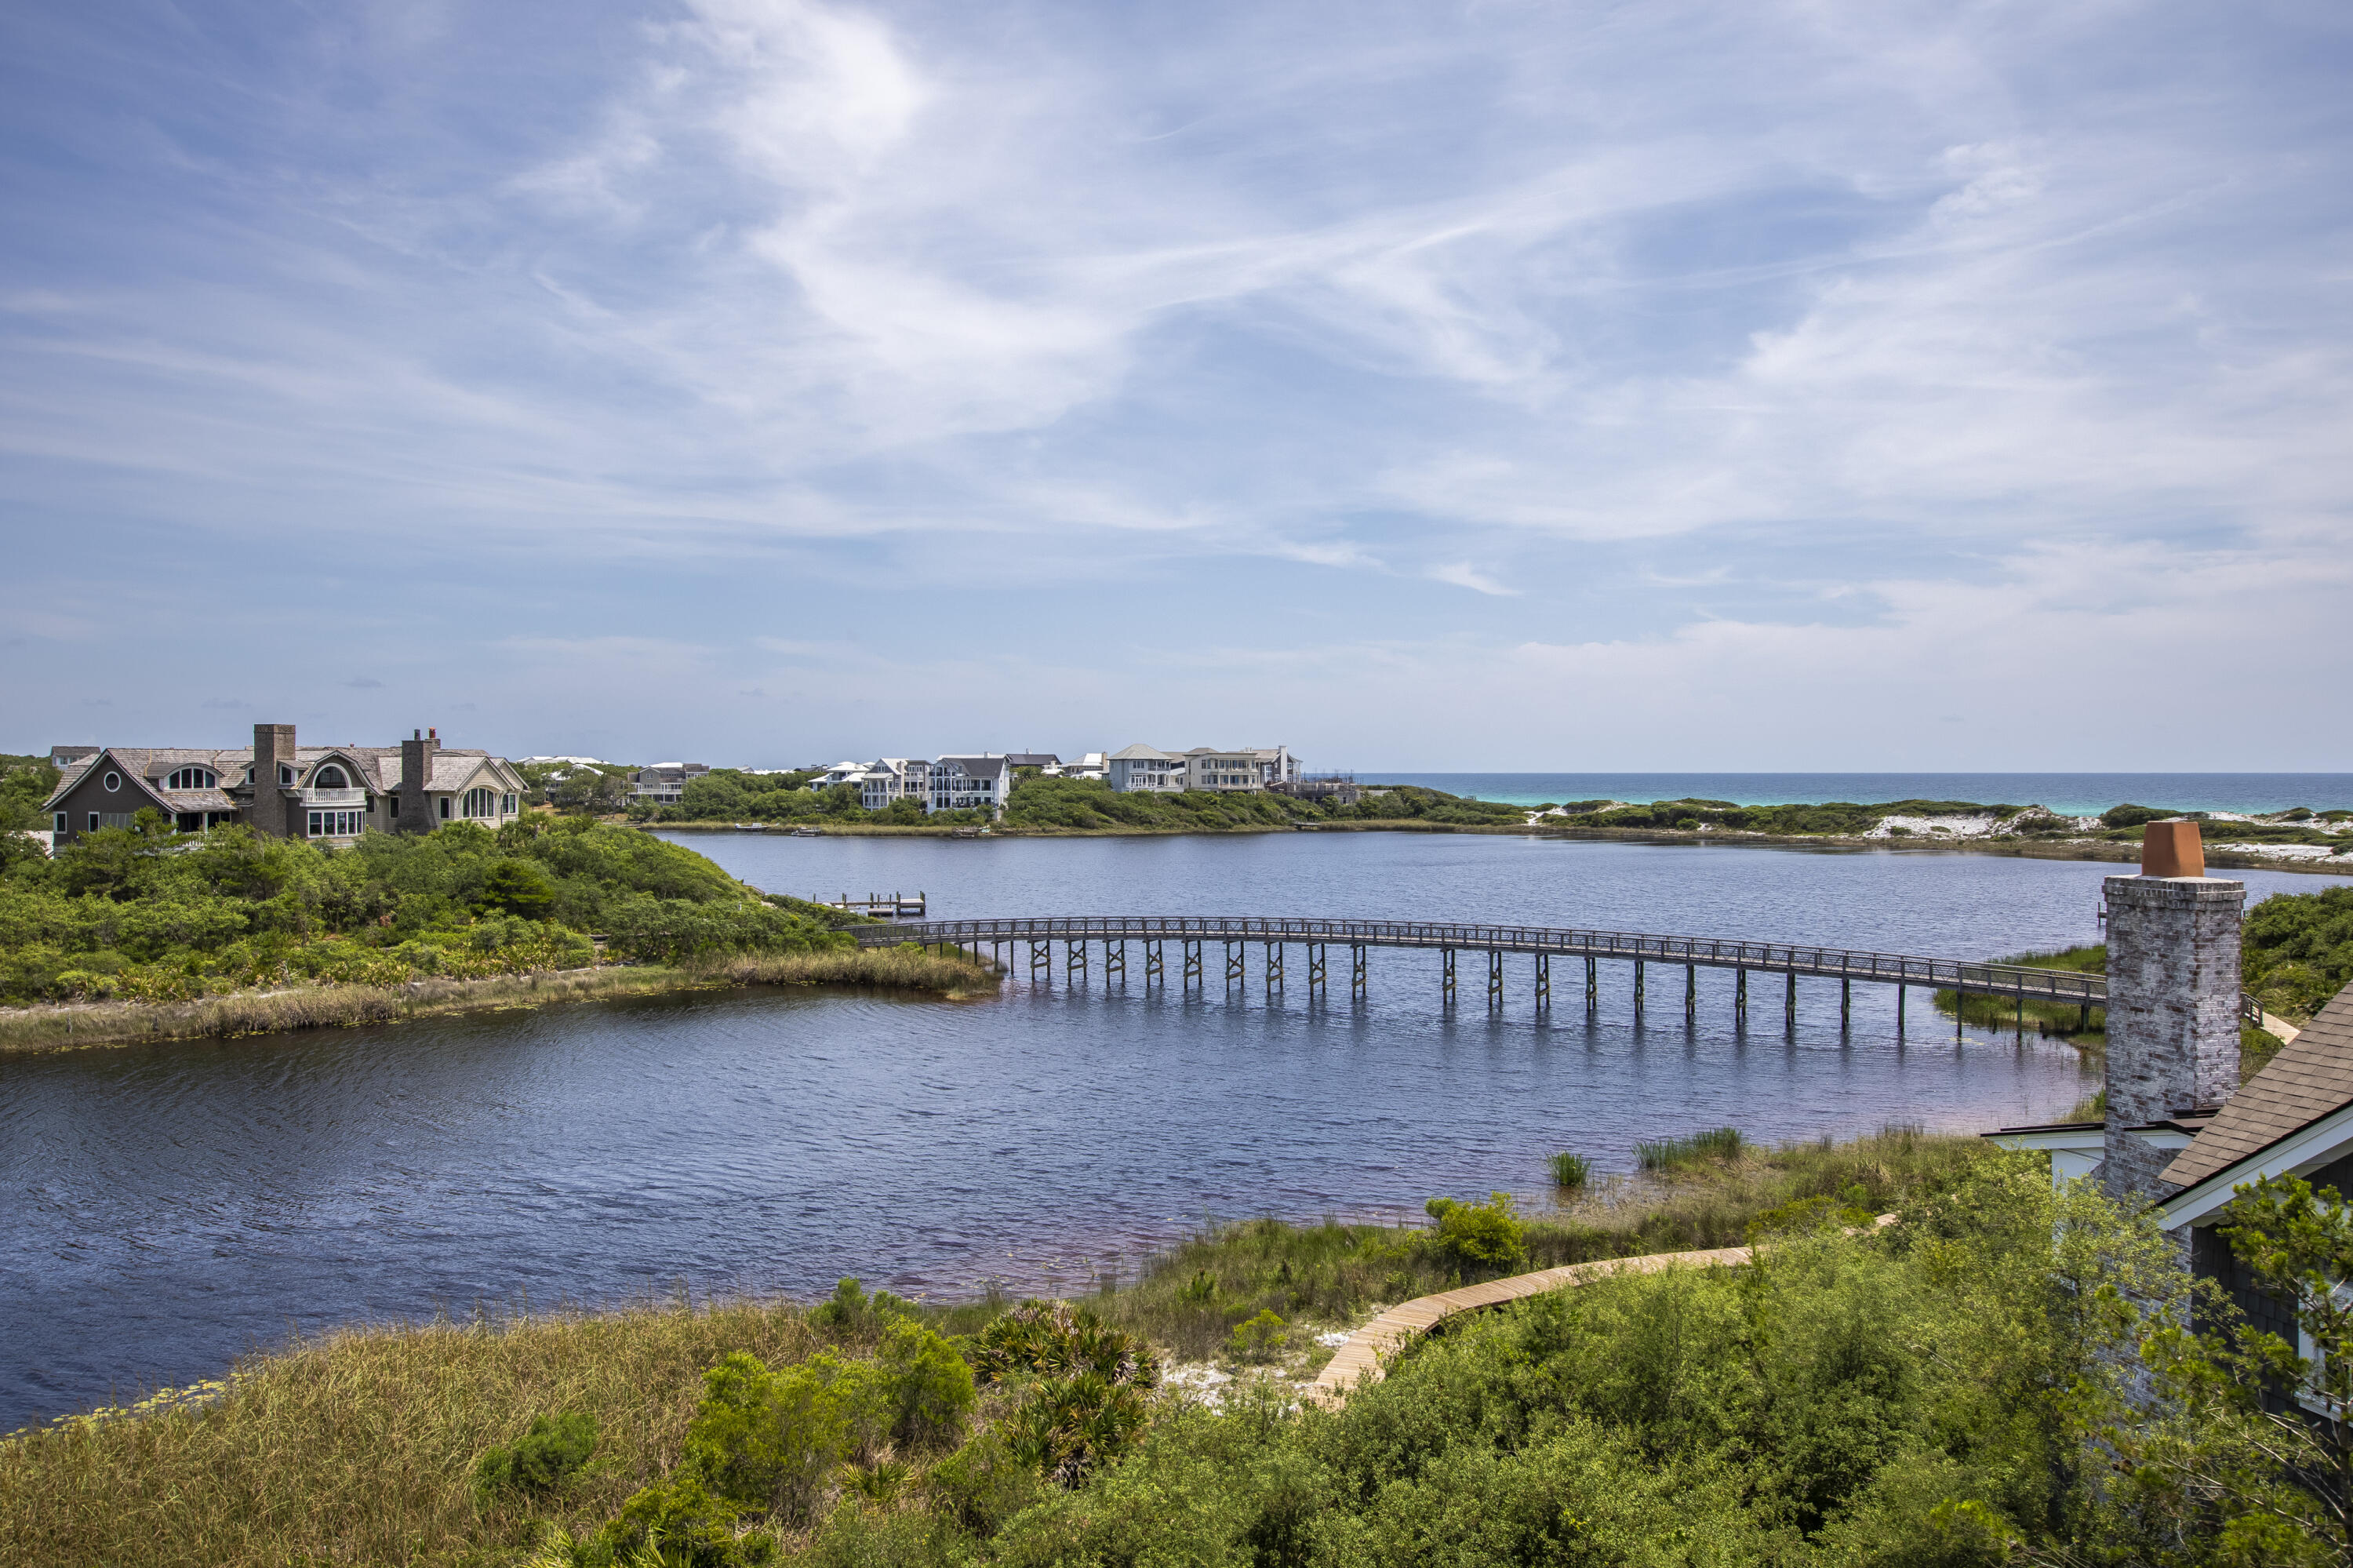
[1147,768]
[969,783]
[275,787]
[664,783]
[889,778]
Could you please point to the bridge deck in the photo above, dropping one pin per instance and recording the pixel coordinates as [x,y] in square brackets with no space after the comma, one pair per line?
[1705,953]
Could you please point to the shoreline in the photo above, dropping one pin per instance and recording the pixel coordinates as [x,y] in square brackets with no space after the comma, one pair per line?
[77,1026]
[2094,851]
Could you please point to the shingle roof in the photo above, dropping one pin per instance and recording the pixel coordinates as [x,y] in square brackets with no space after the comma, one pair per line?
[379,767]
[1141,753]
[2310,1078]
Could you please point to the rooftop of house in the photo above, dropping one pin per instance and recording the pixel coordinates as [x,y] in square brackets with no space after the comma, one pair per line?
[2310,1078]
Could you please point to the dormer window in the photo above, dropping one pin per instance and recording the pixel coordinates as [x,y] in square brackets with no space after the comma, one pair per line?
[191,779]
[285,774]
[331,778]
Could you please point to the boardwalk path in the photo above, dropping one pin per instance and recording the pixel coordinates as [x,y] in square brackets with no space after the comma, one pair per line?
[1361,1356]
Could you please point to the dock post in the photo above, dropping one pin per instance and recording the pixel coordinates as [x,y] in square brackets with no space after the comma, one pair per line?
[1114,960]
[1846,1002]
[2021,1015]
[1191,949]
[1638,991]
[1359,983]
[1235,974]
[1316,977]
[1691,993]
[1739,997]
[1592,988]
[1273,968]
[1960,1002]
[1042,957]
[1543,982]
[1154,968]
[1789,1006]
[1074,959]
[1901,996]
[1494,978]
[1445,981]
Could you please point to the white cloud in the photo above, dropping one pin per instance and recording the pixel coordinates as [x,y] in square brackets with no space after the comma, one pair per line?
[1462,574]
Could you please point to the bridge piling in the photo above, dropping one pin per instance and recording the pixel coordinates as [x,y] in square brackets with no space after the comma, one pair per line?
[1074,961]
[1592,989]
[1543,982]
[1042,957]
[1446,981]
[1900,992]
[1638,991]
[1790,1007]
[1114,961]
[1234,972]
[1494,978]
[1691,993]
[1317,982]
[1275,967]
[1740,999]
[1192,975]
[1359,984]
[1154,968]
[1846,1003]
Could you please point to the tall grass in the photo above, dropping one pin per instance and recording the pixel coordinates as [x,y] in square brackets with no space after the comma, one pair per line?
[50,1028]
[1569,1172]
[1675,1153]
[2066,1020]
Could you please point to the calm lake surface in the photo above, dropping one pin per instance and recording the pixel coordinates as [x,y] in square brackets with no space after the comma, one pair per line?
[169,1207]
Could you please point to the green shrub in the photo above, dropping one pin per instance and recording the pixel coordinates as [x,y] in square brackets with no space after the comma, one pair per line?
[1199,1290]
[1479,1235]
[1569,1171]
[770,1441]
[1068,1428]
[931,1389]
[983,1484]
[1056,1339]
[679,1524]
[540,1461]
[850,1312]
[1261,1339]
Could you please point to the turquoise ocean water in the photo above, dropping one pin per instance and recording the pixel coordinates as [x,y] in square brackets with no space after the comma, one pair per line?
[2081,794]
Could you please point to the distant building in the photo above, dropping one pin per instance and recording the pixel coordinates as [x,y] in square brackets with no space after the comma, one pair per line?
[327,792]
[971,783]
[1044,761]
[1148,769]
[889,778]
[664,783]
[1089,765]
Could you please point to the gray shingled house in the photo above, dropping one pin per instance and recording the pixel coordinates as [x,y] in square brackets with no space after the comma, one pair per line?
[276,787]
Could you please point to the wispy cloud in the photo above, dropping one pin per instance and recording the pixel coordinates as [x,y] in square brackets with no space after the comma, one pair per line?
[1462,574]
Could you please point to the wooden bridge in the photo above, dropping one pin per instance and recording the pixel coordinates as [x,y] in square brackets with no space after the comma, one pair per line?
[1275,935]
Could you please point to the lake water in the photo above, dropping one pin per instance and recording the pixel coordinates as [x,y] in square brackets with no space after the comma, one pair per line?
[170,1206]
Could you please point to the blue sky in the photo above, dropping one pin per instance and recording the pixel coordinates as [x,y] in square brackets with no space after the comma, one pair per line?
[1584,386]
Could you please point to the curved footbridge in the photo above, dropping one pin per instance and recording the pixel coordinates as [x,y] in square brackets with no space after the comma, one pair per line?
[1194,935]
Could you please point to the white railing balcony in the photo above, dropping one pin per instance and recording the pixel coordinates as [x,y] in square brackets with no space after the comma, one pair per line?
[334,797]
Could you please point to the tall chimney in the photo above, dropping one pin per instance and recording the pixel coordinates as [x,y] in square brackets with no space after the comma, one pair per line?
[2173,1000]
[415,815]
[273,748]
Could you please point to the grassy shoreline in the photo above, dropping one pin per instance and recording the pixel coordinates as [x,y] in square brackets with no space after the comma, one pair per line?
[358,1445]
[74,1026]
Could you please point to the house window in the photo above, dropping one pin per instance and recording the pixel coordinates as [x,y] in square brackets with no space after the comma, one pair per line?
[331,778]
[285,774]
[93,821]
[337,824]
[481,802]
[113,781]
[191,779]
[62,822]
[445,808]
[507,804]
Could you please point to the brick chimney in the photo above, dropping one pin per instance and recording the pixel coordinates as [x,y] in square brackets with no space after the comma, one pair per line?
[416,755]
[273,748]
[2173,1000]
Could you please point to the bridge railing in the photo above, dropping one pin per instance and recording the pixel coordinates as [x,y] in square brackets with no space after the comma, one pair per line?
[1708,952]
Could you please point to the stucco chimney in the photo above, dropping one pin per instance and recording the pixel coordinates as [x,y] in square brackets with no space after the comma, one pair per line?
[273,748]
[2173,1000]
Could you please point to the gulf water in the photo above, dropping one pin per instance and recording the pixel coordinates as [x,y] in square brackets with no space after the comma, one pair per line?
[2075,794]
[170,1206]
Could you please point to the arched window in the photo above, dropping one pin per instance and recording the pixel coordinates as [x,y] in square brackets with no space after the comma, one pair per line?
[331,778]
[191,779]
[481,803]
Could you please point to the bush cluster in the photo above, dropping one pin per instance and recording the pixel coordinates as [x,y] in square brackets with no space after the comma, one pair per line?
[147,914]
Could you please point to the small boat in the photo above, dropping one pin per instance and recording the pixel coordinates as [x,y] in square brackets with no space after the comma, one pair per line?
[966,833]
[804,833]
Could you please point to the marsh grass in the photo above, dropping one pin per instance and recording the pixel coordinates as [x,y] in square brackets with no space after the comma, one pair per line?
[2063,1021]
[1677,1153]
[1569,1172]
[313,1007]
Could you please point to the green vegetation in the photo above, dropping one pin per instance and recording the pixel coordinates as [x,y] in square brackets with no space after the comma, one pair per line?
[2005,1375]
[1831,817]
[729,795]
[148,915]
[2064,1020]
[2298,950]
[1679,1153]
[1569,1172]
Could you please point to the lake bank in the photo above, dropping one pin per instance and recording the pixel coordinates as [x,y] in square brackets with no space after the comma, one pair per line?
[69,1026]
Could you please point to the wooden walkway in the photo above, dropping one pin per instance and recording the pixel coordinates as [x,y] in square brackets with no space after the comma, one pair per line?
[1360,1359]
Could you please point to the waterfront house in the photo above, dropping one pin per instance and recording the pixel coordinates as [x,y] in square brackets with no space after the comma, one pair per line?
[1145,769]
[1089,765]
[971,783]
[2181,1133]
[276,787]
[889,778]
[664,783]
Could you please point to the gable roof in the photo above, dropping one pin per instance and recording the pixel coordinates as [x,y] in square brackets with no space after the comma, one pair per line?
[2311,1077]
[1140,752]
